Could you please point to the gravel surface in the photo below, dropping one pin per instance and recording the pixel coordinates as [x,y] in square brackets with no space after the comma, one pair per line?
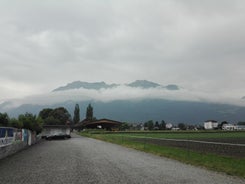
[85,160]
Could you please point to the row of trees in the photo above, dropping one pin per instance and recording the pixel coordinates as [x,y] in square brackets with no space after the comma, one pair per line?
[26,121]
[150,125]
[58,116]
[61,116]
[47,116]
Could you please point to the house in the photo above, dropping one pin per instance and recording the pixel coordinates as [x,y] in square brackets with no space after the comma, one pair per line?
[169,125]
[210,125]
[229,127]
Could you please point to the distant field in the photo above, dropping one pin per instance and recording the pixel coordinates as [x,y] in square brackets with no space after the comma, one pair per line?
[197,135]
[216,156]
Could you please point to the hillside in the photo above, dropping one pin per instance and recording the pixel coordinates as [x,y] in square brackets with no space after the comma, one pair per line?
[143,110]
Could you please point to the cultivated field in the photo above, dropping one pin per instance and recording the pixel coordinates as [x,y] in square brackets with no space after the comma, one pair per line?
[221,143]
[217,150]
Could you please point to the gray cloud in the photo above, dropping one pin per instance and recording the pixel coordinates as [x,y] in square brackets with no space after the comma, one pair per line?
[195,44]
[124,92]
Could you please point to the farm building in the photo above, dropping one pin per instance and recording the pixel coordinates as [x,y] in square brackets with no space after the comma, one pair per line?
[210,124]
[98,124]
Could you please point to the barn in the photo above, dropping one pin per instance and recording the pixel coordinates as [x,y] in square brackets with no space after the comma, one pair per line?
[98,124]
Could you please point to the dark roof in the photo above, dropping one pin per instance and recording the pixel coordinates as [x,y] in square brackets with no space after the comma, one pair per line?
[81,123]
[102,121]
[86,122]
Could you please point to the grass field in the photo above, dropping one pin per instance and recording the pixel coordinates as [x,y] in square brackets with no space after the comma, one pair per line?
[195,135]
[227,164]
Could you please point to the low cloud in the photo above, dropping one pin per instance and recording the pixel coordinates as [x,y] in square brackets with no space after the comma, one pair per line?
[123,92]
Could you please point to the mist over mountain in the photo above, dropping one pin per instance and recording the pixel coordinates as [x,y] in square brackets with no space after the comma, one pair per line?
[138,101]
[172,87]
[136,111]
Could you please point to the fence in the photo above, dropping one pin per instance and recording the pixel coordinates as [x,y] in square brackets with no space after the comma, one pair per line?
[13,140]
[6,136]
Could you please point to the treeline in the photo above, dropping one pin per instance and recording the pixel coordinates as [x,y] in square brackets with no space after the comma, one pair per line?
[149,125]
[58,116]
[26,121]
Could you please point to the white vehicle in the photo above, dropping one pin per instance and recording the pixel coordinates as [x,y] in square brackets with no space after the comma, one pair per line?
[56,131]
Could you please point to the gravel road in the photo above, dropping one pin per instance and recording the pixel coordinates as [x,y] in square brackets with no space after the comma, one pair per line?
[85,160]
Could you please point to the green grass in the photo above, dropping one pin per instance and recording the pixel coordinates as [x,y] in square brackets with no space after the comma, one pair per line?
[186,135]
[228,165]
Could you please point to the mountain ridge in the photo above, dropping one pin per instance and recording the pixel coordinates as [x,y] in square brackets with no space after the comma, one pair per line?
[138,101]
[86,85]
[149,109]
[144,84]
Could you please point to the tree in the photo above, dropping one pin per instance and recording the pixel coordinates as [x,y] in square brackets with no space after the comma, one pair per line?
[149,124]
[162,125]
[124,126]
[61,114]
[31,122]
[38,125]
[157,126]
[45,113]
[15,123]
[182,126]
[27,120]
[58,116]
[89,113]
[241,123]
[76,117]
[51,121]
[4,119]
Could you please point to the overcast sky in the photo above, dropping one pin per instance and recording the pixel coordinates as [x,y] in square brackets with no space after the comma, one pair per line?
[198,45]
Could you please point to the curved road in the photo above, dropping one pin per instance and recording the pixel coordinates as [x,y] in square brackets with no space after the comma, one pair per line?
[85,160]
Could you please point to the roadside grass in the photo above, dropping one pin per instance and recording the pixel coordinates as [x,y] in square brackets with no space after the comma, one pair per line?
[228,165]
[183,134]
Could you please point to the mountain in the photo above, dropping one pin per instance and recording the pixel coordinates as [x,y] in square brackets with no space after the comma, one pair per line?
[150,109]
[172,87]
[85,85]
[138,101]
[143,84]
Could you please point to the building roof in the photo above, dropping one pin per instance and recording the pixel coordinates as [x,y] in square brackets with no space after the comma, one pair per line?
[95,123]
[213,121]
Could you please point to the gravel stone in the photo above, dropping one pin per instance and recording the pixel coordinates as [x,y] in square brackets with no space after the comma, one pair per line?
[87,161]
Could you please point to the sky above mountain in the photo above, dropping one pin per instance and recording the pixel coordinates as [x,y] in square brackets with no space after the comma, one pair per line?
[195,44]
